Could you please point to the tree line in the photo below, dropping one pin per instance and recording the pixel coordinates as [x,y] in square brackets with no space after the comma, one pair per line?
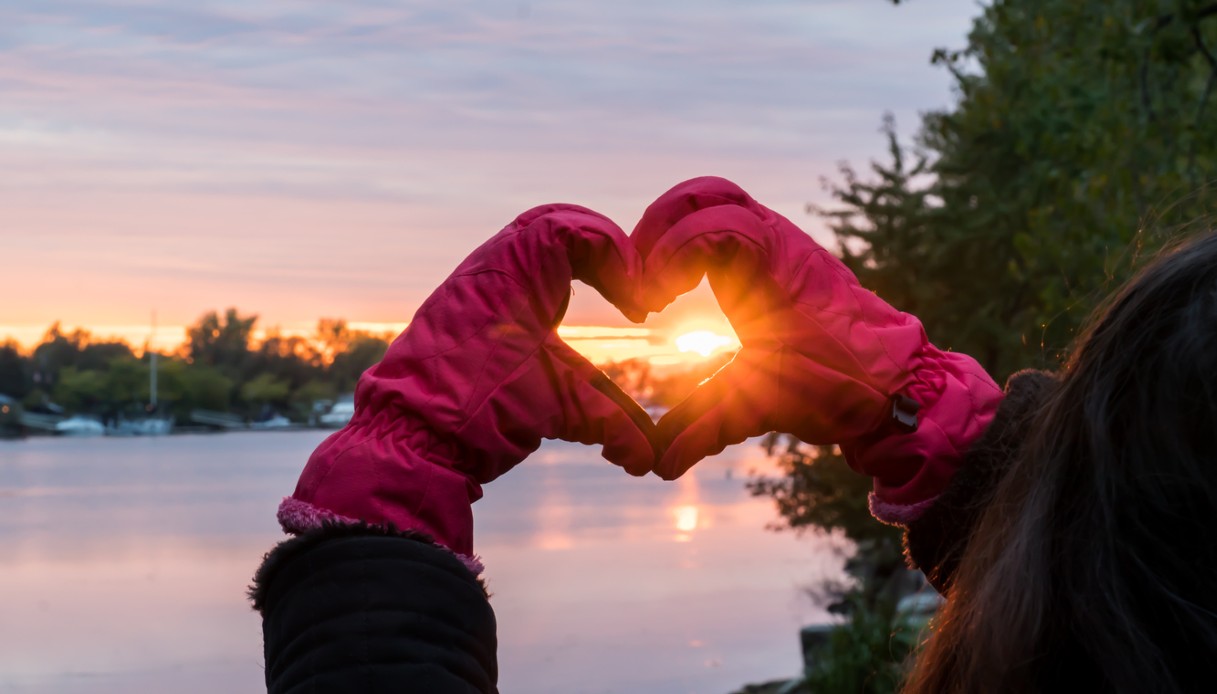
[221,367]
[218,367]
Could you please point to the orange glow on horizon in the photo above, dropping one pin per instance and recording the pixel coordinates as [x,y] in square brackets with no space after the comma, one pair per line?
[601,344]
[705,342]
[686,332]
[690,327]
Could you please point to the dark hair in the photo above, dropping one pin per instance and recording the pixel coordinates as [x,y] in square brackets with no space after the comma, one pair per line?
[1095,563]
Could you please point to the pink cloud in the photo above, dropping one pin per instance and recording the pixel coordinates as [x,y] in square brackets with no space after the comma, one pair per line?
[307,160]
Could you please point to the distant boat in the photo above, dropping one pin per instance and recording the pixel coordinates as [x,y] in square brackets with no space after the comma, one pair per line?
[339,415]
[144,426]
[80,426]
[152,425]
[217,420]
[276,421]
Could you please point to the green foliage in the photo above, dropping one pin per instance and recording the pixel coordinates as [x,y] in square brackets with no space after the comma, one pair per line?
[302,398]
[59,350]
[1082,140]
[79,390]
[194,386]
[218,368]
[119,382]
[100,355]
[126,380]
[864,655]
[360,352]
[266,389]
[818,490]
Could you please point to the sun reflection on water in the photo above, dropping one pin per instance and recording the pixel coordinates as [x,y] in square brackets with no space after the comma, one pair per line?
[686,509]
[686,522]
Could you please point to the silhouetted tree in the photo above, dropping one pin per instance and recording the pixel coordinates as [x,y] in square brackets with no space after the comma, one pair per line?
[221,342]
[362,351]
[16,373]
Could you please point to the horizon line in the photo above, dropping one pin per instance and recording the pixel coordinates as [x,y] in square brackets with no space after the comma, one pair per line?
[599,343]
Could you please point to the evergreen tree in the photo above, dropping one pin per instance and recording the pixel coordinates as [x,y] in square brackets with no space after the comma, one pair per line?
[1082,140]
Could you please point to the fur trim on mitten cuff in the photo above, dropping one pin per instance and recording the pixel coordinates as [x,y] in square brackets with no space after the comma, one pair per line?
[298,517]
[897,514]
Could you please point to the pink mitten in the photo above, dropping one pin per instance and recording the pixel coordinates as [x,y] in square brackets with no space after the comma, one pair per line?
[822,357]
[476,381]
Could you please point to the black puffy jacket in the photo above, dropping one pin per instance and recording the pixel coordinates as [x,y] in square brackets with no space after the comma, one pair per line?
[362,609]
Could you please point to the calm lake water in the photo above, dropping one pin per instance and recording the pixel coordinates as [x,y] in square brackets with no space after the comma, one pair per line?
[125,562]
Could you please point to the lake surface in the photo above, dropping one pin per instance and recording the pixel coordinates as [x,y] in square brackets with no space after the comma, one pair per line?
[125,562]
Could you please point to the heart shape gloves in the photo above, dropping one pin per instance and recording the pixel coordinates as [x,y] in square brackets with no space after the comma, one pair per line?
[822,357]
[480,376]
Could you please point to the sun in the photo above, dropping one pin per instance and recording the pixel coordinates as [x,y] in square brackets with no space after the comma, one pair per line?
[704,342]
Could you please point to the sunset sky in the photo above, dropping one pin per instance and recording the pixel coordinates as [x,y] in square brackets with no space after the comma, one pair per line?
[308,159]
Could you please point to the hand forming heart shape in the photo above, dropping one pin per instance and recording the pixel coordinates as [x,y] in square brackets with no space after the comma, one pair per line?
[822,357]
[480,376]
[809,364]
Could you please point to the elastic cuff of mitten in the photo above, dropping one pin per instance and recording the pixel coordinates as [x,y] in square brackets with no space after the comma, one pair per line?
[297,517]
[897,514]
[957,401]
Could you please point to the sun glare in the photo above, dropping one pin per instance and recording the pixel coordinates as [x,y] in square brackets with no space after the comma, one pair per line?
[686,518]
[703,342]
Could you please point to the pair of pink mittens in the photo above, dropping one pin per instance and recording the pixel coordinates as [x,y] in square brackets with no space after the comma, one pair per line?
[480,376]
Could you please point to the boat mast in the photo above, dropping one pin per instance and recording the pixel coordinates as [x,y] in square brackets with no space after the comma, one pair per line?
[152,370]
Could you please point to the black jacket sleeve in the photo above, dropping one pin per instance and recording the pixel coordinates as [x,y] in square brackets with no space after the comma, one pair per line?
[935,541]
[360,609]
